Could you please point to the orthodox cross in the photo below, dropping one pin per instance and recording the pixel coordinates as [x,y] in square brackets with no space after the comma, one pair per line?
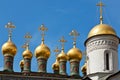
[42,28]
[62,40]
[74,33]
[10,26]
[27,37]
[101,11]
[56,51]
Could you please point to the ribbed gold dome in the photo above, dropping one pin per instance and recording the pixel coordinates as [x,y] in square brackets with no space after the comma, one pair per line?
[101,29]
[75,54]
[84,68]
[27,54]
[21,63]
[62,56]
[9,48]
[42,51]
[55,65]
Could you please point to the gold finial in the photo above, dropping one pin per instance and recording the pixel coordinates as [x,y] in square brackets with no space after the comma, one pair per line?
[56,51]
[10,26]
[101,11]
[42,28]
[74,33]
[62,40]
[27,37]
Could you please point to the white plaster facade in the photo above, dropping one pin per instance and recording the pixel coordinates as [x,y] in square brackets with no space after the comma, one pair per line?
[102,55]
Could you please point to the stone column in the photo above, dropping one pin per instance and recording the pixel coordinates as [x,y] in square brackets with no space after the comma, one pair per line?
[42,65]
[8,63]
[62,66]
[27,65]
[74,68]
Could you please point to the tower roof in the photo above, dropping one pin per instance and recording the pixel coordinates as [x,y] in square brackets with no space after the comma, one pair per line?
[42,50]
[9,47]
[84,68]
[101,29]
[74,53]
[62,56]
[55,65]
[27,53]
[21,63]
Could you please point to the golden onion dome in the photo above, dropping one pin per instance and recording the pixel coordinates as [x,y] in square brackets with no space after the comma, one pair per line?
[55,65]
[84,68]
[75,54]
[27,54]
[101,29]
[21,63]
[9,48]
[62,56]
[42,51]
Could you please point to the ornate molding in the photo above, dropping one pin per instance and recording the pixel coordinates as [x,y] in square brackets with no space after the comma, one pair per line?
[102,44]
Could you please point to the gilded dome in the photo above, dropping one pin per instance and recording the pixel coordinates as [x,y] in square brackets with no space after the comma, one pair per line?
[84,68]
[62,56]
[42,51]
[27,54]
[9,48]
[101,29]
[55,65]
[75,54]
[21,63]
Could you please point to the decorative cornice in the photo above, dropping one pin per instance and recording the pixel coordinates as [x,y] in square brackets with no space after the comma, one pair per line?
[102,44]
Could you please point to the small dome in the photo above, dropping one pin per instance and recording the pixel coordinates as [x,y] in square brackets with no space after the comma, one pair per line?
[9,48]
[55,65]
[21,63]
[42,51]
[101,29]
[62,56]
[84,68]
[74,53]
[27,54]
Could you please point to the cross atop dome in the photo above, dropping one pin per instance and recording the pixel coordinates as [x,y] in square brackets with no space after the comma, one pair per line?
[42,28]
[10,26]
[101,11]
[56,51]
[27,37]
[62,40]
[74,33]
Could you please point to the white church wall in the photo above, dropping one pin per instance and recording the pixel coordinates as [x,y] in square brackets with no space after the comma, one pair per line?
[97,48]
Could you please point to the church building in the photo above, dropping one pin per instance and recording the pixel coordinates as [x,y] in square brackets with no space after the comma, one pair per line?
[101,56]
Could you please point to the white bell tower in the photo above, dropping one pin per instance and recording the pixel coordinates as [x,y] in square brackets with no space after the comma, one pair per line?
[102,50]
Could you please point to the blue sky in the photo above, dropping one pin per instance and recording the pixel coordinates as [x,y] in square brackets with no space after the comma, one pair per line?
[60,17]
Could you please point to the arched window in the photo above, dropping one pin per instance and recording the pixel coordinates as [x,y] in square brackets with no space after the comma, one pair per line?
[107,61]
